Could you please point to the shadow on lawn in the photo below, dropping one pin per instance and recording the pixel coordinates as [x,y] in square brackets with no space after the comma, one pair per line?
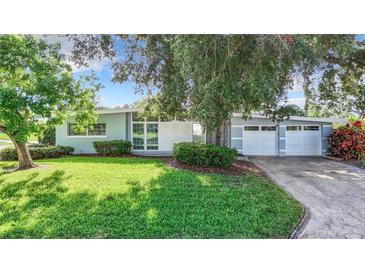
[174,205]
[107,160]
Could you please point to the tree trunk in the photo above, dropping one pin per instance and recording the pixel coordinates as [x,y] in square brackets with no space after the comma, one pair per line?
[24,158]
[219,136]
[307,92]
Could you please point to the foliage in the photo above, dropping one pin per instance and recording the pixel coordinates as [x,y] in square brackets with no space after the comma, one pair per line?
[294,110]
[48,136]
[206,77]
[37,152]
[36,84]
[348,141]
[337,70]
[91,197]
[205,155]
[115,147]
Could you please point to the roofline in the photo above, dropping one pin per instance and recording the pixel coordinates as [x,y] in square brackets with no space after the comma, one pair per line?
[299,118]
[258,116]
[122,110]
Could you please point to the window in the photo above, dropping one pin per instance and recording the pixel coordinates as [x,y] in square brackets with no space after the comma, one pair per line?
[293,128]
[198,133]
[311,128]
[268,128]
[251,128]
[98,129]
[236,132]
[72,130]
[138,136]
[152,136]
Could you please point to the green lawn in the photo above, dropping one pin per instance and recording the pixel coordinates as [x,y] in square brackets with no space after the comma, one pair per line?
[3,136]
[85,197]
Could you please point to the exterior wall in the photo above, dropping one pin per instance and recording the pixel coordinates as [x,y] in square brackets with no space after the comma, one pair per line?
[173,132]
[119,127]
[116,129]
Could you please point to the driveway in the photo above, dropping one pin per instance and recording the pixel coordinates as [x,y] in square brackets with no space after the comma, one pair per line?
[333,192]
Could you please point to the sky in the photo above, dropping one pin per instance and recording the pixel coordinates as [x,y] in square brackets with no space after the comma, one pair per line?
[113,94]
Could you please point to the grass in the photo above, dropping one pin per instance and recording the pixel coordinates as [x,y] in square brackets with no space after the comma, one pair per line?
[32,138]
[85,197]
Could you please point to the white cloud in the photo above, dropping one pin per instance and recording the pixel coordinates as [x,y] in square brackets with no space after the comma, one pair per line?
[300,102]
[66,49]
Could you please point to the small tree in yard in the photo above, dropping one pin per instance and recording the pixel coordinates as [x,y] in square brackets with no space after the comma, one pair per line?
[36,85]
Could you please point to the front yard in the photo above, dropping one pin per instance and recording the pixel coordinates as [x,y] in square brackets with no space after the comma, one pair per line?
[87,197]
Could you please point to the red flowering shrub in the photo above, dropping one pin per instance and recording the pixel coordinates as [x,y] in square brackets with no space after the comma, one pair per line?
[348,142]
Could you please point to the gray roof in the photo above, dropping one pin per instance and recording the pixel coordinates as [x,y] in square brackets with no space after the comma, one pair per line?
[259,116]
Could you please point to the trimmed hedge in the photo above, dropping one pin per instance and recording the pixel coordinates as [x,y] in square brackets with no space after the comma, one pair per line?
[199,154]
[9,154]
[115,147]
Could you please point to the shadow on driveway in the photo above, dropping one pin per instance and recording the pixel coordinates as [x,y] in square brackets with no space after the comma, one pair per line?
[333,192]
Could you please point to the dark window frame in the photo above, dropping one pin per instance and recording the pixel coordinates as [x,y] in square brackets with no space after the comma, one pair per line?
[72,133]
[291,128]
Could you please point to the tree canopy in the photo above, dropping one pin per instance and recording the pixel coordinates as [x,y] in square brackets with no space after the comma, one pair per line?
[37,87]
[208,77]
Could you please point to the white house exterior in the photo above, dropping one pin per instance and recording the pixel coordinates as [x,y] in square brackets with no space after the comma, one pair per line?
[257,136]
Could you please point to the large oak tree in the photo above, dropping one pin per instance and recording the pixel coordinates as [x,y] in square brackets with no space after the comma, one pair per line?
[38,87]
[208,77]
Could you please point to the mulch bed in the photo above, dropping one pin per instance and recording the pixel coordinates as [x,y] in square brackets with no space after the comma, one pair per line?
[238,168]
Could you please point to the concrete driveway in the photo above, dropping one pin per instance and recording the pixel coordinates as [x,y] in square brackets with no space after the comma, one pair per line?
[333,192]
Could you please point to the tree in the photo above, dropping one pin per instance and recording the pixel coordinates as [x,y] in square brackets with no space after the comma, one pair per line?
[334,75]
[204,77]
[36,85]
[207,77]
[294,110]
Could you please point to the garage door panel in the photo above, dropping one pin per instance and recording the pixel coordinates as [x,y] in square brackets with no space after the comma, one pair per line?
[257,142]
[303,142]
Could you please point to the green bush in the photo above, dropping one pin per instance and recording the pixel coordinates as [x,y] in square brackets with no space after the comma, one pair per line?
[9,154]
[199,154]
[116,147]
[48,136]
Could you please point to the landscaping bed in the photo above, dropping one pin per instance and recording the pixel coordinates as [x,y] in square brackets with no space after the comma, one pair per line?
[237,168]
[137,197]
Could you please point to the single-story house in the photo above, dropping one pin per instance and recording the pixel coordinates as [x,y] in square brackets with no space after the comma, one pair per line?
[257,136]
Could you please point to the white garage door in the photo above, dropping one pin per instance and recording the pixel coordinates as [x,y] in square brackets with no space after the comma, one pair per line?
[260,140]
[303,140]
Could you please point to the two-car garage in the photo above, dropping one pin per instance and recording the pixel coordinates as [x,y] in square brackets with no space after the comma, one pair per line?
[261,136]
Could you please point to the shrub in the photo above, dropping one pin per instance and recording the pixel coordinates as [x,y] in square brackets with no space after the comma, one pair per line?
[348,141]
[9,154]
[116,147]
[204,155]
